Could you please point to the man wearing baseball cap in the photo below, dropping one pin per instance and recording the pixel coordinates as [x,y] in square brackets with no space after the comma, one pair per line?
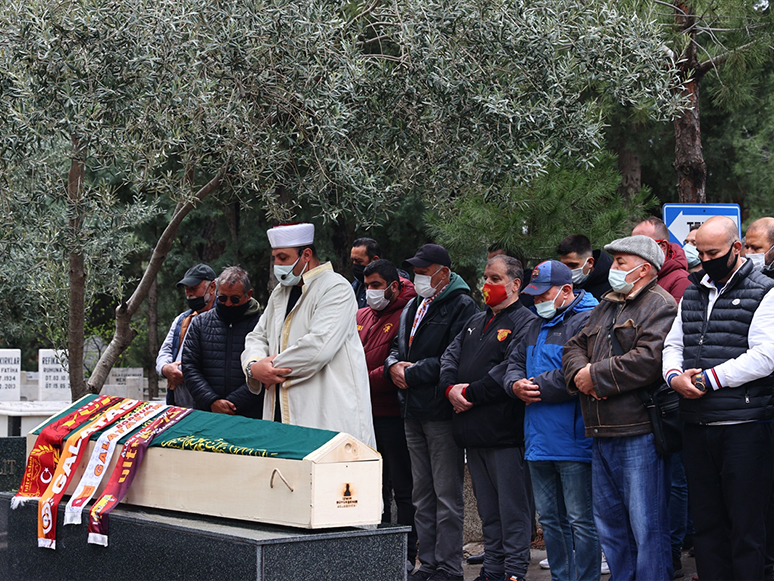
[199,285]
[557,453]
[305,352]
[630,483]
[428,324]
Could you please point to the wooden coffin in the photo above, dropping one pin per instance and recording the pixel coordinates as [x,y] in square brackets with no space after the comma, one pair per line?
[337,484]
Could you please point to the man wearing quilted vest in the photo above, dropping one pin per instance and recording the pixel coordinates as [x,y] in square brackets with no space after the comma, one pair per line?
[719,356]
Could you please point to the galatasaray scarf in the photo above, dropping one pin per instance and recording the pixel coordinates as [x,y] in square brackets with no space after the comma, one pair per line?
[72,453]
[101,456]
[125,471]
[45,454]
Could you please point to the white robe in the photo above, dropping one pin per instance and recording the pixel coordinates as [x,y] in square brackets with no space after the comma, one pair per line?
[328,388]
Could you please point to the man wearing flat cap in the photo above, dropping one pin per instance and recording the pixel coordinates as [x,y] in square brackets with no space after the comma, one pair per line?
[305,351]
[199,285]
[428,324]
[630,480]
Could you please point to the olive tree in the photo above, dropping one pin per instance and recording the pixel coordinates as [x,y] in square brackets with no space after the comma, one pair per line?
[112,110]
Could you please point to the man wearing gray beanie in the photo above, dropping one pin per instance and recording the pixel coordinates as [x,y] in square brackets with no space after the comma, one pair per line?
[615,356]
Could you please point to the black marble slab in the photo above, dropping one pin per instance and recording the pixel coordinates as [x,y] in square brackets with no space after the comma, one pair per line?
[148,544]
[12,461]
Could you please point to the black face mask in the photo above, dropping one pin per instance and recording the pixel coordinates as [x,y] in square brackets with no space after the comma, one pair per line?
[718,268]
[357,270]
[230,314]
[196,304]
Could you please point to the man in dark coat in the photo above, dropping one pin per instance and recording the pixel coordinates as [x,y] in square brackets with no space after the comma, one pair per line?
[427,326]
[489,424]
[213,346]
[589,267]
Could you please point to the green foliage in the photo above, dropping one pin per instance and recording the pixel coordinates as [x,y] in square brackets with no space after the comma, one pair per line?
[568,200]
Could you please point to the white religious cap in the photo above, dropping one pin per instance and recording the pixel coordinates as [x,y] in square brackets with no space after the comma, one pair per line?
[291,235]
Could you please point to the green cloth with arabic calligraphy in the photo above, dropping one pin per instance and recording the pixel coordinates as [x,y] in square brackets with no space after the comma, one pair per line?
[211,432]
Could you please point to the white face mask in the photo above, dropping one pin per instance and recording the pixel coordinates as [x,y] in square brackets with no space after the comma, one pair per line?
[547,309]
[423,286]
[617,280]
[578,276]
[284,273]
[758,260]
[376,299]
[692,255]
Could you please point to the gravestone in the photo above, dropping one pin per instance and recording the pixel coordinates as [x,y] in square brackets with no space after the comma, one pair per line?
[30,385]
[124,382]
[10,374]
[54,381]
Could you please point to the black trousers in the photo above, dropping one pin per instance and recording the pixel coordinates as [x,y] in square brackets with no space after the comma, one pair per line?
[730,471]
[396,475]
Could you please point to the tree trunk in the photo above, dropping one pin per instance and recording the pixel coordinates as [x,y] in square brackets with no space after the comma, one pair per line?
[689,161]
[153,338]
[124,334]
[631,171]
[76,275]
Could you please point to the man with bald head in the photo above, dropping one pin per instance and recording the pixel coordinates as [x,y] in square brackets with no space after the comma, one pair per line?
[719,356]
[673,276]
[759,245]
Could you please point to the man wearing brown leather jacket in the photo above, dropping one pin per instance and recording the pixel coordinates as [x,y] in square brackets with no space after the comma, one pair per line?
[630,479]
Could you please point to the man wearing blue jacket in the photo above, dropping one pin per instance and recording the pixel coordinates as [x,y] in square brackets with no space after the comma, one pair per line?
[557,452]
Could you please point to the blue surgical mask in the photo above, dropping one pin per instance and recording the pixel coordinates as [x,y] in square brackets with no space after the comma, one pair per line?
[692,255]
[547,309]
[617,280]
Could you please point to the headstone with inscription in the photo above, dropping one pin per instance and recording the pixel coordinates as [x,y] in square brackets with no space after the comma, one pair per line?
[10,374]
[54,380]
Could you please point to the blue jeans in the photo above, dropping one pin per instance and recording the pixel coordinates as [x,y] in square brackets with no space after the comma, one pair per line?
[631,488]
[565,508]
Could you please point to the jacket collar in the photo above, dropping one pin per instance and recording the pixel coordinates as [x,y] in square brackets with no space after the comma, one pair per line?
[310,275]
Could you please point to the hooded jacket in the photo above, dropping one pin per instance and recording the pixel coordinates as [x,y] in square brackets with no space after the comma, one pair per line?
[597,284]
[475,357]
[553,427]
[640,323]
[673,276]
[377,329]
[445,317]
[211,361]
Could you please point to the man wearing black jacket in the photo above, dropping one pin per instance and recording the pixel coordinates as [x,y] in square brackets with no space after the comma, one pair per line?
[213,346]
[488,423]
[428,324]
[589,267]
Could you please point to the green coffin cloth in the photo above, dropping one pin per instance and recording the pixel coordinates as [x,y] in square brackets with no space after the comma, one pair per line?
[211,432]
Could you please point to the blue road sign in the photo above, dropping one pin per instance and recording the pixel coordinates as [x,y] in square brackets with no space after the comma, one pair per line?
[680,217]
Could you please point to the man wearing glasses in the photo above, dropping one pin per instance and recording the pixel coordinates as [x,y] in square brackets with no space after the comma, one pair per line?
[213,345]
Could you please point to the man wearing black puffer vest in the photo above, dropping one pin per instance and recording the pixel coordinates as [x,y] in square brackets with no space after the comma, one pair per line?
[212,371]
[719,356]
[489,424]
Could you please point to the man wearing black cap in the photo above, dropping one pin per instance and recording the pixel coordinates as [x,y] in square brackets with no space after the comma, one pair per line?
[428,324]
[199,284]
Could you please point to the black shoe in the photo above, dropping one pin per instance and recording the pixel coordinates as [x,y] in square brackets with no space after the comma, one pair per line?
[476,559]
[677,568]
[420,576]
[484,576]
[441,575]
